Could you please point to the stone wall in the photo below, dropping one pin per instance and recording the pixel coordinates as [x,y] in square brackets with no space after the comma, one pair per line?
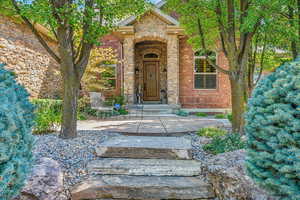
[197,98]
[24,55]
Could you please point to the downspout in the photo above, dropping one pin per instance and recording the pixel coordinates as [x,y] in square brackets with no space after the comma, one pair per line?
[122,68]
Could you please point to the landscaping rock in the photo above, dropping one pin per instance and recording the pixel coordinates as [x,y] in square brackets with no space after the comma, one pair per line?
[145,167]
[146,147]
[45,182]
[142,187]
[227,173]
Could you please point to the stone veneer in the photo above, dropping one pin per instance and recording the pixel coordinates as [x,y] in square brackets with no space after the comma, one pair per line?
[151,28]
[24,55]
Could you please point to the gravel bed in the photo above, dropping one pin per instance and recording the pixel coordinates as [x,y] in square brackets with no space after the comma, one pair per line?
[73,154]
[197,149]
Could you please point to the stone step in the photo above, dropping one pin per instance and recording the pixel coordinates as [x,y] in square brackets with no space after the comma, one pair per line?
[162,111]
[172,148]
[142,187]
[144,167]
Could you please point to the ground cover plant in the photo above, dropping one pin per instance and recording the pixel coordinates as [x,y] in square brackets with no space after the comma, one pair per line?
[220,116]
[226,143]
[182,113]
[222,141]
[211,132]
[16,141]
[200,114]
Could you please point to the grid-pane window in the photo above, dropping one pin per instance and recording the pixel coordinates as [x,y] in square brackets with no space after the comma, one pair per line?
[205,74]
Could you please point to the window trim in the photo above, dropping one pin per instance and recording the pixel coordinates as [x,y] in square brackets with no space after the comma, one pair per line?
[205,73]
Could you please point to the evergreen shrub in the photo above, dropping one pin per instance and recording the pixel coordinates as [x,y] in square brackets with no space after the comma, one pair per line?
[16,140]
[273,132]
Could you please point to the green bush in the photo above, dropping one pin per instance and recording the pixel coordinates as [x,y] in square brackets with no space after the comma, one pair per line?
[229,117]
[200,114]
[85,109]
[115,100]
[182,113]
[227,143]
[220,116]
[211,132]
[273,131]
[48,115]
[123,111]
[16,140]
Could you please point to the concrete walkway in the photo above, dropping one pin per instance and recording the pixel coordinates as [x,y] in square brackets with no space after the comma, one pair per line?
[153,125]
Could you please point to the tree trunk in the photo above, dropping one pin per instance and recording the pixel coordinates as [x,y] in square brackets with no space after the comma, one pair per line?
[238,105]
[70,99]
[294,49]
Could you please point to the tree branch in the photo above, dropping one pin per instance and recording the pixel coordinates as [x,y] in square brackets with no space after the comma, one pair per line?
[231,22]
[86,45]
[202,37]
[262,59]
[35,32]
[221,27]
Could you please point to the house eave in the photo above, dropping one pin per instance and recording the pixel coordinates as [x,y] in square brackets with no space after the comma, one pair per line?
[170,20]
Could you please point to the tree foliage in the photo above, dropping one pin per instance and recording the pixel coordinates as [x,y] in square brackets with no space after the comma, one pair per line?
[16,141]
[232,24]
[100,70]
[77,25]
[272,128]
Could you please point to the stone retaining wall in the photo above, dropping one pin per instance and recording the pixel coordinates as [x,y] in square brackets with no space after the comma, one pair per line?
[24,55]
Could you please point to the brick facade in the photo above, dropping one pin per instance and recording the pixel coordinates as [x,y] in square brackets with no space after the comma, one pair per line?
[179,65]
[40,75]
[197,98]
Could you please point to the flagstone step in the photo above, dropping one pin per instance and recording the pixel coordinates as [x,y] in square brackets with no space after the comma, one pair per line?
[177,148]
[142,187]
[144,167]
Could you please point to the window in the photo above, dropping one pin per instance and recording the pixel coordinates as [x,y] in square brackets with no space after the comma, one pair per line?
[151,55]
[205,75]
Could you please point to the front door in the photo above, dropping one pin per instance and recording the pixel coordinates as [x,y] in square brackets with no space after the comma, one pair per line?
[151,81]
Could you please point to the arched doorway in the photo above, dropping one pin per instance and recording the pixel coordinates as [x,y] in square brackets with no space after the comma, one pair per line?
[150,72]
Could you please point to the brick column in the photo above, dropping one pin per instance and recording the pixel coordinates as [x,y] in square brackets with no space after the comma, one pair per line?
[173,70]
[129,68]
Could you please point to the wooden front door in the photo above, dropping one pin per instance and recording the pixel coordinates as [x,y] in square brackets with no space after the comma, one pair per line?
[151,81]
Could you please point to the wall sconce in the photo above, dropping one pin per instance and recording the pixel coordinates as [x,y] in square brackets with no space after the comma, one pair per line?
[165,70]
[136,70]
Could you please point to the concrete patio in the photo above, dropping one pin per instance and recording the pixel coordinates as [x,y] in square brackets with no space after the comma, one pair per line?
[153,125]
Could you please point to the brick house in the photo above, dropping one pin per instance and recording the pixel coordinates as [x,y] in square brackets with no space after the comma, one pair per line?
[156,63]
[159,66]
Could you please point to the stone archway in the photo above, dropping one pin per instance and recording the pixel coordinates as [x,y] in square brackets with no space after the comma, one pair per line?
[150,72]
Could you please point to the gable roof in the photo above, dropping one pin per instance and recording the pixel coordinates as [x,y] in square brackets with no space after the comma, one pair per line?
[160,4]
[156,11]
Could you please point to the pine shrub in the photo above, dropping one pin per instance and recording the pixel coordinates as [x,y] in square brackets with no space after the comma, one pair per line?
[273,132]
[16,140]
